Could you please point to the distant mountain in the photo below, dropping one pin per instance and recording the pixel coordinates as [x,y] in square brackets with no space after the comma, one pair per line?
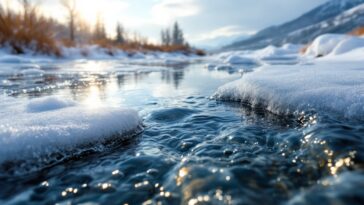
[218,42]
[335,16]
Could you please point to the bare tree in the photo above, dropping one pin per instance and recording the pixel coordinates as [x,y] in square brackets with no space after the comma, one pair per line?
[70,5]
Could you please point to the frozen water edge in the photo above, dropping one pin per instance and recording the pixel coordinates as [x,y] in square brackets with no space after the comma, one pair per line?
[49,126]
[96,53]
[324,87]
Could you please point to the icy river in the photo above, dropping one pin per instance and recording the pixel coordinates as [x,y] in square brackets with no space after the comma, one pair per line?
[191,148]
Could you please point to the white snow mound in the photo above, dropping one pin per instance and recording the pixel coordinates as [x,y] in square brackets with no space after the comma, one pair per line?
[325,44]
[50,125]
[334,44]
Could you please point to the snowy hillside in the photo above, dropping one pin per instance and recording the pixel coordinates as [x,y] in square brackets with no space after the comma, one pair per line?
[335,16]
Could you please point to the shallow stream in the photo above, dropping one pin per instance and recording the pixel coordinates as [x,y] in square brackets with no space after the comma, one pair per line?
[193,149]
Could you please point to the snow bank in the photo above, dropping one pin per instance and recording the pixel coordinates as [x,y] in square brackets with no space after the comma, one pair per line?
[51,125]
[240,61]
[334,44]
[325,44]
[286,52]
[94,52]
[328,87]
[151,58]
[333,83]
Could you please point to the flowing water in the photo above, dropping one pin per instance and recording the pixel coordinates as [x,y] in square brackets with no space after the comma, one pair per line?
[193,149]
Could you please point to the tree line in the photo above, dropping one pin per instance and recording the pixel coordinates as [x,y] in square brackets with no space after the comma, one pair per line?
[28,29]
[173,36]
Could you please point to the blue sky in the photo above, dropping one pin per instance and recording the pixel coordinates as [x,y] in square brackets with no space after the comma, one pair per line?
[204,21]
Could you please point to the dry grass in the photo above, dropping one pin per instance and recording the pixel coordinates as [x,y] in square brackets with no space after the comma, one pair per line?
[358,32]
[27,32]
[305,48]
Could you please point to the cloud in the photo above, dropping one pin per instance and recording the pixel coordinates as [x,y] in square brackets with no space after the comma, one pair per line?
[167,11]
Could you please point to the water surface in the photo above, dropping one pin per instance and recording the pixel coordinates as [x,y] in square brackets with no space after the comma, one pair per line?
[193,150]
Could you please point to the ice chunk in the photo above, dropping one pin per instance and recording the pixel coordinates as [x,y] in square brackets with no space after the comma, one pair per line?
[326,87]
[50,125]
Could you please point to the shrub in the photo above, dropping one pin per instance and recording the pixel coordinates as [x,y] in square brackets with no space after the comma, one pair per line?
[30,31]
[358,31]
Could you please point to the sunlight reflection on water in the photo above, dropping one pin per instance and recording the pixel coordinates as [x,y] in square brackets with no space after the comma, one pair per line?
[193,150]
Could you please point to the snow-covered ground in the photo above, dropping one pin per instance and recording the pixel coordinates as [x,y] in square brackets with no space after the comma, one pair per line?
[48,125]
[98,53]
[333,83]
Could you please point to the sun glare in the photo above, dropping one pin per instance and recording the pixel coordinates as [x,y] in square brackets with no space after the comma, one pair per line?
[89,11]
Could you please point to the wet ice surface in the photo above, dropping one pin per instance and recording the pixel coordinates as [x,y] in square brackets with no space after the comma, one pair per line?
[193,150]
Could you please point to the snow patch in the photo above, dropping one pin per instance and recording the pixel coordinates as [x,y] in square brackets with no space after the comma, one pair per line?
[52,125]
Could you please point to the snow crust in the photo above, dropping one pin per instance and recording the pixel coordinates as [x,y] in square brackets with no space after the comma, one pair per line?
[284,89]
[49,125]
